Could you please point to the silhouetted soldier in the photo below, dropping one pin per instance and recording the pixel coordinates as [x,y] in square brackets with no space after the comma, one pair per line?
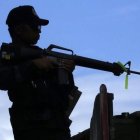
[40,103]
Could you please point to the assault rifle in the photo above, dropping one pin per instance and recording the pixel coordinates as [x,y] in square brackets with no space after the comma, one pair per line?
[29,53]
[115,68]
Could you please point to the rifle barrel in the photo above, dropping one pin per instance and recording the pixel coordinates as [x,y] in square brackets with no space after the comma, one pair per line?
[134,72]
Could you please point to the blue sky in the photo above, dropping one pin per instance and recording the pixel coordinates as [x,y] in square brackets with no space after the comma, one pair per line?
[104,30]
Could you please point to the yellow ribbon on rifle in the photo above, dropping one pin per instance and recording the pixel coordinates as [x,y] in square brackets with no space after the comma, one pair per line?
[125,70]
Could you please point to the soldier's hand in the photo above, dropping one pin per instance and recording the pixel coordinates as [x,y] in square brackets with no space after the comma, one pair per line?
[68,65]
[45,63]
